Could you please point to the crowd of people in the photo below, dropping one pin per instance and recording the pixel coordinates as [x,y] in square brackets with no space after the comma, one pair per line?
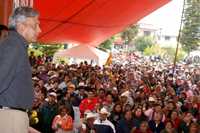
[137,96]
[131,98]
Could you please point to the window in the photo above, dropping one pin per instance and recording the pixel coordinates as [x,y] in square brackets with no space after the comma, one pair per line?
[147,33]
[167,38]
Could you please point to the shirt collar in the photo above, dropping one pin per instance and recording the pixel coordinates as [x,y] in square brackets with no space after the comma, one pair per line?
[20,37]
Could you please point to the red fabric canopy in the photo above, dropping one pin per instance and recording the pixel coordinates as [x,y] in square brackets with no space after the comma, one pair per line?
[89,21]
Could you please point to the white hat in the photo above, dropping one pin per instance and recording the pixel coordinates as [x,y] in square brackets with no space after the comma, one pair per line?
[53,94]
[115,88]
[51,73]
[180,77]
[35,78]
[91,115]
[41,68]
[186,70]
[152,99]
[179,104]
[81,84]
[126,93]
[104,111]
[54,76]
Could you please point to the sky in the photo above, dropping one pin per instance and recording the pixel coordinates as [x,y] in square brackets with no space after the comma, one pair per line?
[167,18]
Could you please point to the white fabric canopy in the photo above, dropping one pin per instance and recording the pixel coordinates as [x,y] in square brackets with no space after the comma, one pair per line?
[85,52]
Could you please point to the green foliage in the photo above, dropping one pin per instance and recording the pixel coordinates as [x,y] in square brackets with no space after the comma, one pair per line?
[47,49]
[61,60]
[170,54]
[154,50]
[131,49]
[143,42]
[36,52]
[181,55]
[129,33]
[190,35]
[165,53]
[107,44]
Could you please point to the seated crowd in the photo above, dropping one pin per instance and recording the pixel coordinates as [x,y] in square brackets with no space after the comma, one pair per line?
[132,98]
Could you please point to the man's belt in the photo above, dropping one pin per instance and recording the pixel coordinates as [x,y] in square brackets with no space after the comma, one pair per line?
[14,108]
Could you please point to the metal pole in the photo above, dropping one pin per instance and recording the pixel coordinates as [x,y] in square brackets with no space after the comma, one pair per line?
[178,39]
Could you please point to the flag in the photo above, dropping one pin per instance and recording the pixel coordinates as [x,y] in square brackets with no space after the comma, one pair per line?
[109,60]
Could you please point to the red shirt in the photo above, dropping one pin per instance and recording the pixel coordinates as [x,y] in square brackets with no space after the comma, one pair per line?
[176,122]
[88,104]
[39,62]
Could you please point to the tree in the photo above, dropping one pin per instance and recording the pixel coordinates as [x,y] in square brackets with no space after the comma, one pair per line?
[190,35]
[129,33]
[164,53]
[47,49]
[143,42]
[170,52]
[107,44]
[154,50]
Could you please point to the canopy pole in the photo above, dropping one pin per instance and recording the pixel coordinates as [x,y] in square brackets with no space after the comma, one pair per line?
[178,39]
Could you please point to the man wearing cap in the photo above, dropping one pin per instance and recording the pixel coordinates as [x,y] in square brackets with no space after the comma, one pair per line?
[75,101]
[102,124]
[88,125]
[16,92]
[48,111]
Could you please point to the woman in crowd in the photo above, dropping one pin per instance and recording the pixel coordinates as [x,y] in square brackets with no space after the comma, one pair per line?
[138,116]
[169,128]
[116,114]
[194,128]
[185,122]
[175,119]
[144,128]
[63,122]
[126,124]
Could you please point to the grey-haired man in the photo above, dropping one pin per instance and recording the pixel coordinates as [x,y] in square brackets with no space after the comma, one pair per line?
[16,93]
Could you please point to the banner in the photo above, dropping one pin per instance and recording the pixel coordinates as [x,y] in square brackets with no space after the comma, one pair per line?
[19,3]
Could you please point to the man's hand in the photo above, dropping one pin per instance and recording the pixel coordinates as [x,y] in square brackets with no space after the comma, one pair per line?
[32,130]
